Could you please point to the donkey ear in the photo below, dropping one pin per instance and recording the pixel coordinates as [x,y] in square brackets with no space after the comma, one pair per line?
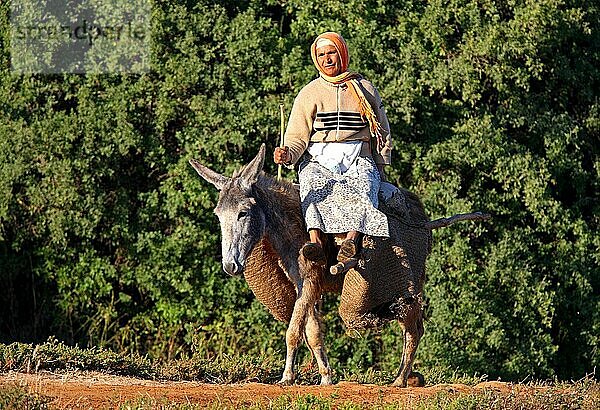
[250,173]
[209,175]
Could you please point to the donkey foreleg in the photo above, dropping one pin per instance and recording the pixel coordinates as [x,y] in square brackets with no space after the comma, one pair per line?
[314,338]
[413,330]
[292,341]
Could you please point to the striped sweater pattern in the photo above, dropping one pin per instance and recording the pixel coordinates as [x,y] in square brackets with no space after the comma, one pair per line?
[326,112]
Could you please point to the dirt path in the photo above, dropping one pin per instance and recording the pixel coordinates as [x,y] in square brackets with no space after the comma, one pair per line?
[96,390]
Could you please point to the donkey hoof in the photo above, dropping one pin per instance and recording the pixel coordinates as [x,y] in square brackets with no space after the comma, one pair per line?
[399,383]
[326,380]
[416,379]
[285,381]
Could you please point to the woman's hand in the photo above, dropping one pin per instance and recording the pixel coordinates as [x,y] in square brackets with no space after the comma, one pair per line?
[281,155]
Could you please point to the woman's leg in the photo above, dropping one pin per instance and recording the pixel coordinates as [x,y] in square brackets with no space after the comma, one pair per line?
[353,235]
[315,236]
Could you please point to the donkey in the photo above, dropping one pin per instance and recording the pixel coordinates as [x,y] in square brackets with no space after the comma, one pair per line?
[257,212]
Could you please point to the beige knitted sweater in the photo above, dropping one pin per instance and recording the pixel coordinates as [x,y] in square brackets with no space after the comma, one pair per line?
[326,112]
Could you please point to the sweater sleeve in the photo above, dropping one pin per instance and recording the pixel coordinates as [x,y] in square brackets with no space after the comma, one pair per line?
[299,129]
[383,155]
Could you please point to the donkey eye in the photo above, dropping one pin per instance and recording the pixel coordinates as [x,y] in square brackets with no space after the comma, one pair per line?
[242,214]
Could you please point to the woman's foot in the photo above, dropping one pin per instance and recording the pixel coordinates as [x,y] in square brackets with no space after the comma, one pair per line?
[348,249]
[314,252]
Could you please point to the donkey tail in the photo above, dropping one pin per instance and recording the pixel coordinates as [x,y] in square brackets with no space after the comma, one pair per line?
[443,222]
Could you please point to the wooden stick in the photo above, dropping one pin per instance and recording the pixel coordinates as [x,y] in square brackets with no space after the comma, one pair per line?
[342,267]
[282,125]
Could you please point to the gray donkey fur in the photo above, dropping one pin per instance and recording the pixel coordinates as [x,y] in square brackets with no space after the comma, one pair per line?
[256,211]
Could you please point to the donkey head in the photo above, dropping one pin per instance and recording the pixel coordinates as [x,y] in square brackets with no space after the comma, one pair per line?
[241,218]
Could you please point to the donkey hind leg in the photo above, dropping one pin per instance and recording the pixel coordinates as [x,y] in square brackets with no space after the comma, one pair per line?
[314,339]
[307,296]
[413,330]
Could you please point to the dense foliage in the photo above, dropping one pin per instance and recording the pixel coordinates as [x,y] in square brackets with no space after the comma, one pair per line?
[107,237]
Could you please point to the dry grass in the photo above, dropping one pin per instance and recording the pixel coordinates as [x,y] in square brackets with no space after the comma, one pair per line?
[475,393]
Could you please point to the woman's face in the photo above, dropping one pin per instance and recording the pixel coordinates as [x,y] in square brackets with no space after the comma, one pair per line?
[329,60]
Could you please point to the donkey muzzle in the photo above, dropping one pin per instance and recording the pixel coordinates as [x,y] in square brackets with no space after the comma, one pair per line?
[232,268]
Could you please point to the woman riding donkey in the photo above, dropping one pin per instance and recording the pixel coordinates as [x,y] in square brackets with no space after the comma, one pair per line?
[338,133]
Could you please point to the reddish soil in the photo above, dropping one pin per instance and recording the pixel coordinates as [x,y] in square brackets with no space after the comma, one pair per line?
[96,390]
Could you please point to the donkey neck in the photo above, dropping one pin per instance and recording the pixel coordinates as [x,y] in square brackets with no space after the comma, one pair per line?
[285,230]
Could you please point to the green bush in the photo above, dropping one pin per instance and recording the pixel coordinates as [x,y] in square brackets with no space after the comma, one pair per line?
[16,397]
[107,238]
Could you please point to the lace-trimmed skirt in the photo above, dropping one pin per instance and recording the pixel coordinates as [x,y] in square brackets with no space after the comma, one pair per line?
[338,203]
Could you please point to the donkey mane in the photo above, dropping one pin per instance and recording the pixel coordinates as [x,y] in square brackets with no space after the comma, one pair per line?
[282,193]
[281,202]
